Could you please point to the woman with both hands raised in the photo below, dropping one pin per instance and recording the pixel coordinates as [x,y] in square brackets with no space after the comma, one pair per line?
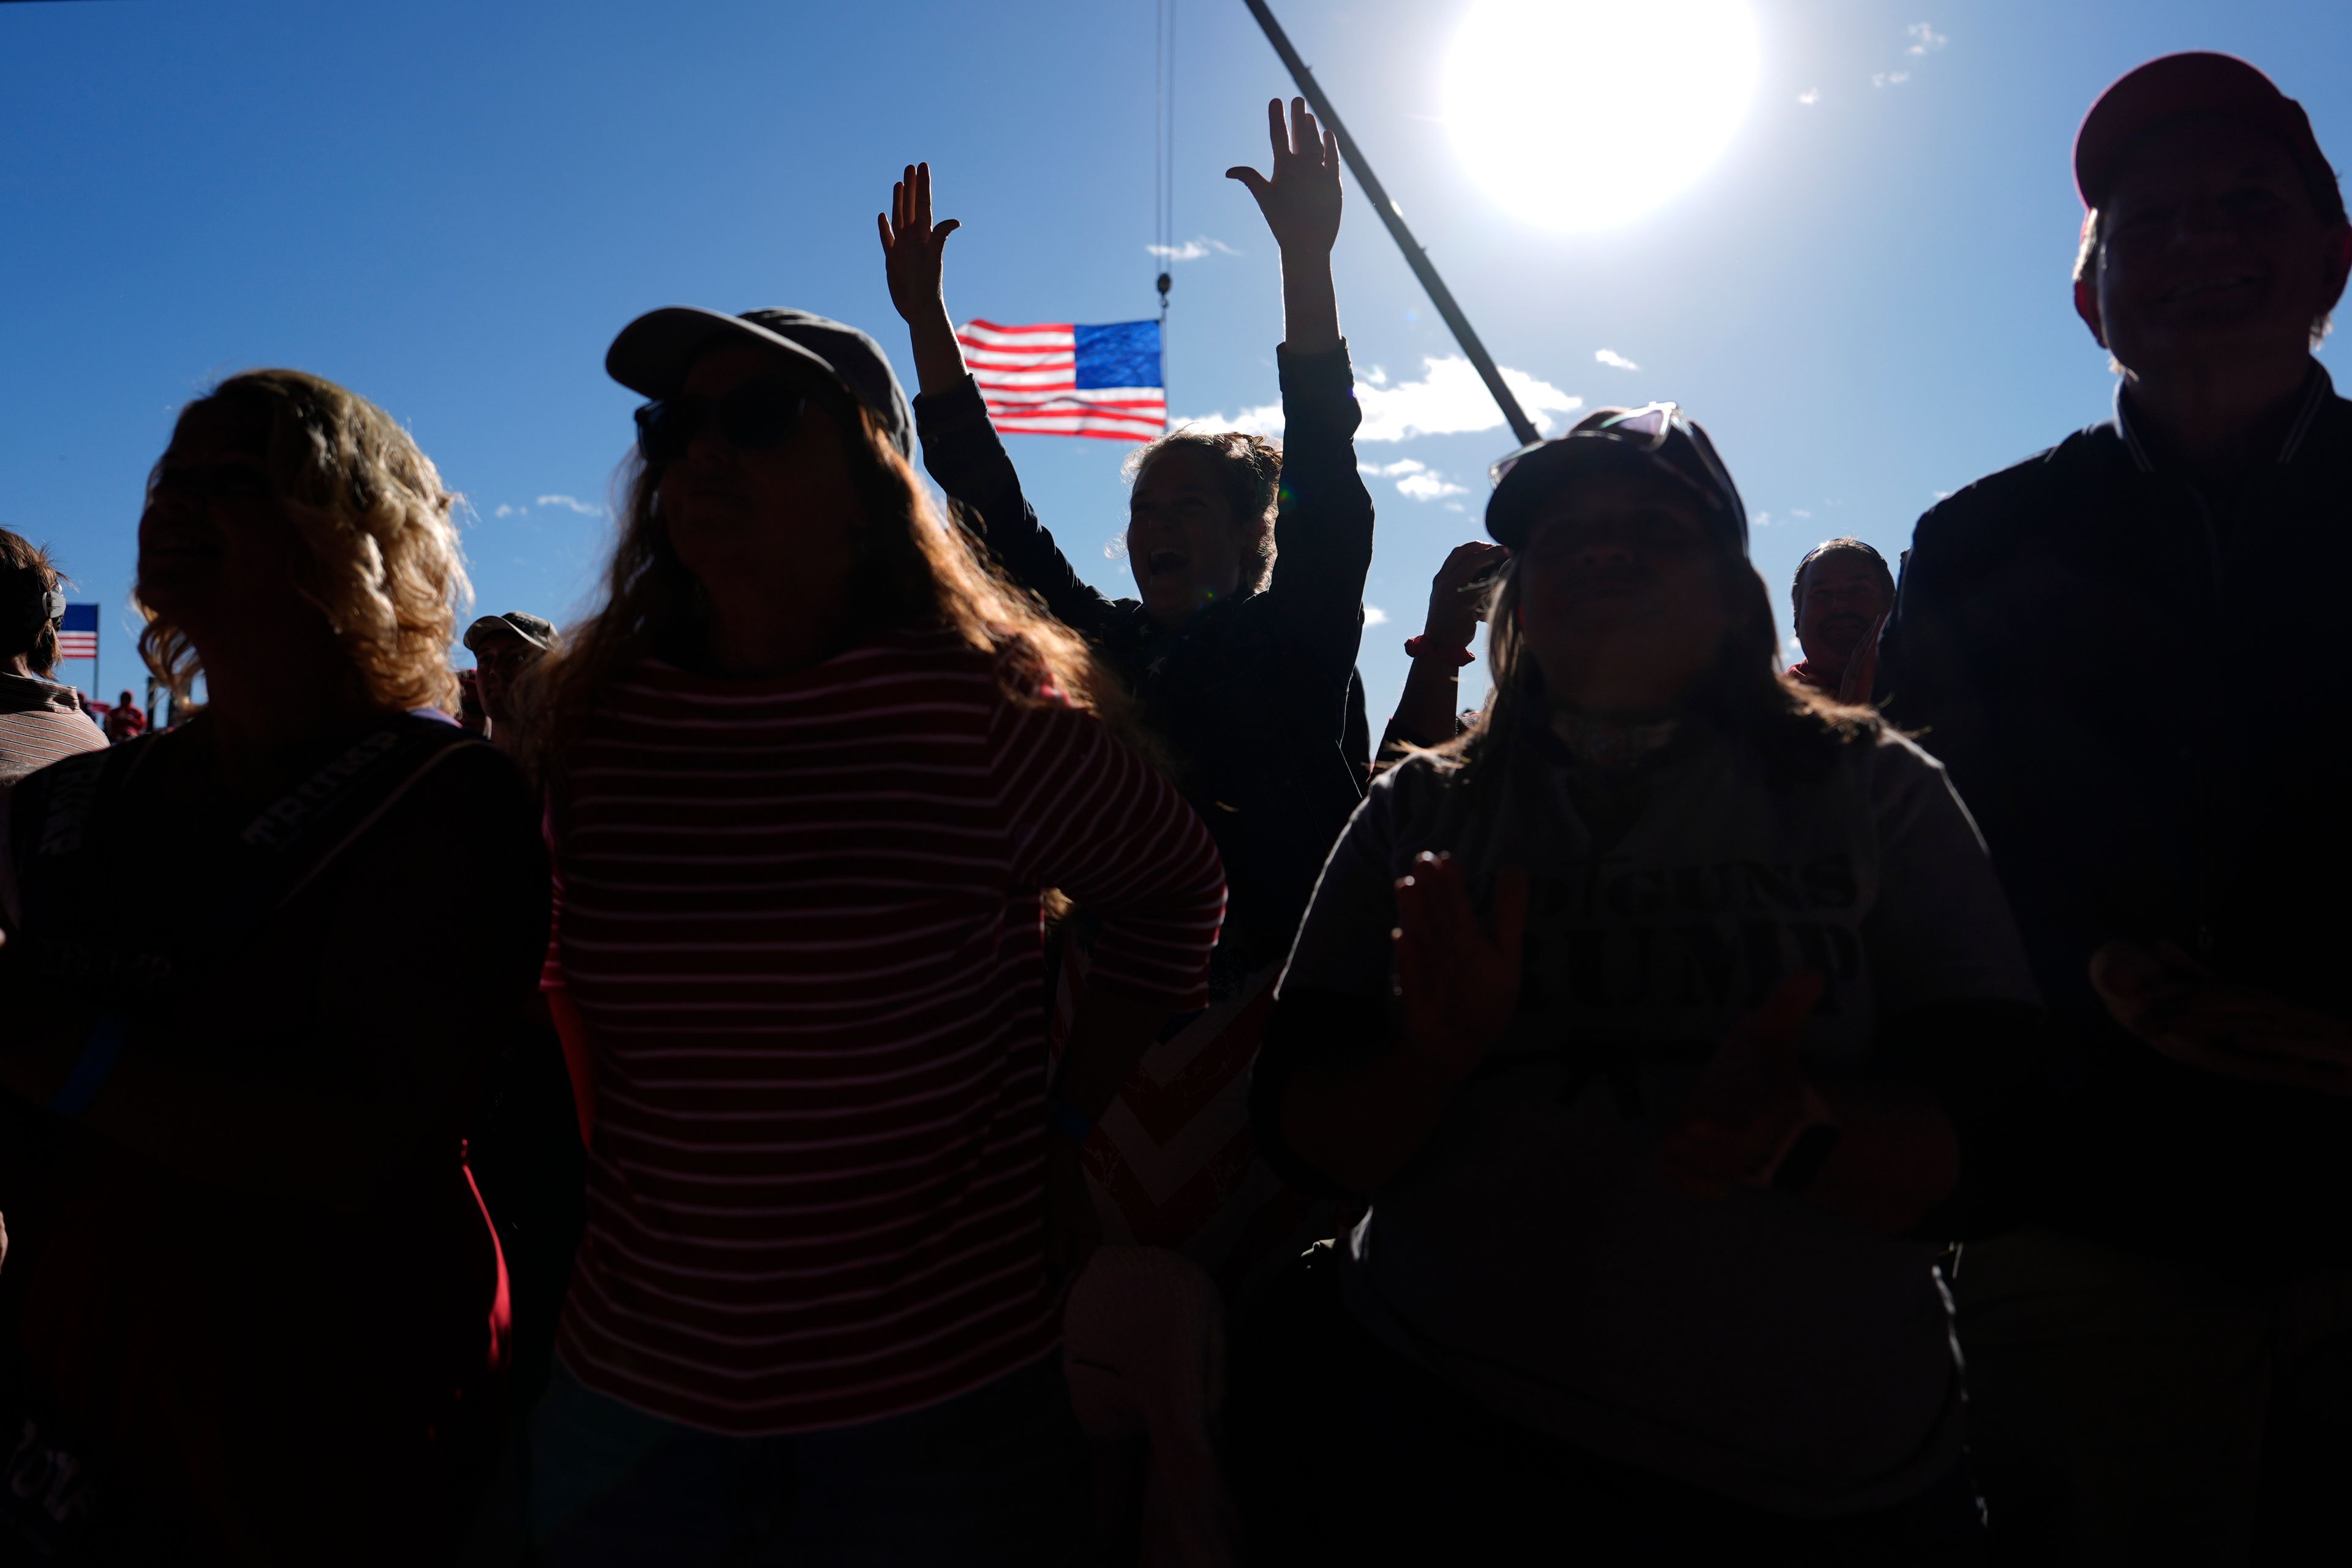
[1243,663]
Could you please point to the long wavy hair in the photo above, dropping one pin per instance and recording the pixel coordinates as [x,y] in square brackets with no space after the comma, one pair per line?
[914,569]
[1797,730]
[379,557]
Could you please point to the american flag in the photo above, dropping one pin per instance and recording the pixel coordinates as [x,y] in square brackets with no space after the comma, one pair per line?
[78,633]
[1064,380]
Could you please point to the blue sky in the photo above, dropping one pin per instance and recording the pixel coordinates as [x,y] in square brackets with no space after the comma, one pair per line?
[452,207]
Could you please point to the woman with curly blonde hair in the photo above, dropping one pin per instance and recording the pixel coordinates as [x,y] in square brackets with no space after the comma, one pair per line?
[810,769]
[256,967]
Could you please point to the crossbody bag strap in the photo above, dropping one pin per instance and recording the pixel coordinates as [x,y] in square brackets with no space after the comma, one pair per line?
[73,833]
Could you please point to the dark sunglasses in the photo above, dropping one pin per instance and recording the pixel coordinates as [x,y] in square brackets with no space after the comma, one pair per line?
[753,418]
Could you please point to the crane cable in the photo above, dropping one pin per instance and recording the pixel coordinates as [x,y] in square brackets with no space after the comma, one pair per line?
[1163,161]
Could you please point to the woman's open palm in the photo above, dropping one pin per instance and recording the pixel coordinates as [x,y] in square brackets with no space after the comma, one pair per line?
[912,243]
[1301,199]
[1458,981]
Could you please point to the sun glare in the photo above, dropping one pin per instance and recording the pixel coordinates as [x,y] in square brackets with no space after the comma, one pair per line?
[1582,114]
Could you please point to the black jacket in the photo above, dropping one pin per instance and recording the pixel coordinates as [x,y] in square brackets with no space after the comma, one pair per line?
[2144,692]
[1256,697]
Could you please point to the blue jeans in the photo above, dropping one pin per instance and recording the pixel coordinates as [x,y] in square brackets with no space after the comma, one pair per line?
[995,1475]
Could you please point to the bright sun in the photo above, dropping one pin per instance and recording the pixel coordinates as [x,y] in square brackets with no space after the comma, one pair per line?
[1580,114]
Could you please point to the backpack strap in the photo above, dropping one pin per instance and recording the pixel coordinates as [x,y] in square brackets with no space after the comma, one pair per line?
[70,837]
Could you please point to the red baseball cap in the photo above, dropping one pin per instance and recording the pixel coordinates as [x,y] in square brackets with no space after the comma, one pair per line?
[2197,83]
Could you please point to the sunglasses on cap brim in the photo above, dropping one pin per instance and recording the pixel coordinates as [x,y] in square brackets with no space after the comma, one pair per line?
[1643,432]
[755,417]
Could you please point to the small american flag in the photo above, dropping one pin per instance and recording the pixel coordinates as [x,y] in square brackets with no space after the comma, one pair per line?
[78,633]
[1065,380]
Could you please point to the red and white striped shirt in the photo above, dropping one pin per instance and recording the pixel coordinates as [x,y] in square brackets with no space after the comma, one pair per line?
[40,723]
[800,919]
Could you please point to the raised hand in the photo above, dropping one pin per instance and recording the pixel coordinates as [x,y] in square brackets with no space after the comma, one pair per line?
[1301,200]
[1458,981]
[912,245]
[1862,664]
[911,249]
[1752,1104]
[1457,595]
[2177,1006]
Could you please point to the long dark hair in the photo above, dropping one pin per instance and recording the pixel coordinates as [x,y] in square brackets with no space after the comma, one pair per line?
[1797,730]
[914,569]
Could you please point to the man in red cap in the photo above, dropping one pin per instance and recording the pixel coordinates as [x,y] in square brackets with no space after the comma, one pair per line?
[2128,651]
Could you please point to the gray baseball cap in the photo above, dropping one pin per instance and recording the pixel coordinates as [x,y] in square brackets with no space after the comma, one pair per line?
[653,353]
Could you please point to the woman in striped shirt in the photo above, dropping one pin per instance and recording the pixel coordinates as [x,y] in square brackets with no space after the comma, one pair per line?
[808,769]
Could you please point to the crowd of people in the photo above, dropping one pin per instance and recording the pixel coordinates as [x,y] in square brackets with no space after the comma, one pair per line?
[652,1099]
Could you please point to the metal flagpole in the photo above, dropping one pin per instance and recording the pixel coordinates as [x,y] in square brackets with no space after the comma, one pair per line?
[1414,257]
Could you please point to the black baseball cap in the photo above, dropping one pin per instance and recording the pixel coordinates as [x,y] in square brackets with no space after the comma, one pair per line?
[1657,438]
[2175,87]
[653,353]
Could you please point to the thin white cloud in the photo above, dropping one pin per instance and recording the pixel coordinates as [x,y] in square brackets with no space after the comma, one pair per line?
[1889,79]
[1759,519]
[1798,512]
[1115,547]
[511,511]
[1415,480]
[1428,487]
[1811,95]
[1447,400]
[571,503]
[1923,38]
[1191,249]
[1612,357]
[1375,617]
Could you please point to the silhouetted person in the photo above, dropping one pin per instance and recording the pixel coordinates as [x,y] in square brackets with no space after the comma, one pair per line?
[1659,1019]
[40,719]
[258,967]
[2130,651]
[505,648]
[126,720]
[1242,658]
[1240,644]
[1840,601]
[811,766]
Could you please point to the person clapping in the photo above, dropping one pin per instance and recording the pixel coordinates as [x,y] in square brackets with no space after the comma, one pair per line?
[1668,1022]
